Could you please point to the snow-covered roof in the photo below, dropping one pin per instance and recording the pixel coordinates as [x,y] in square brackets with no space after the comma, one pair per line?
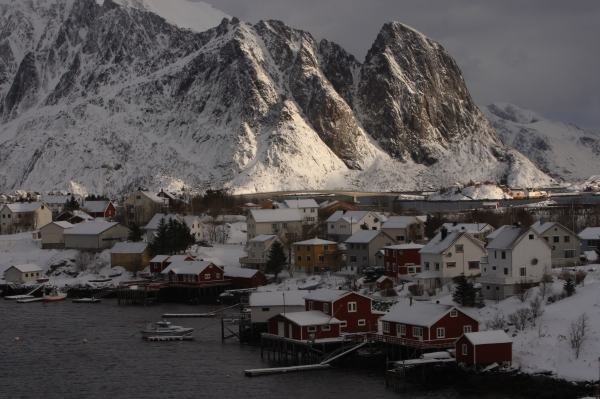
[497,232]
[327,203]
[95,206]
[423,314]
[263,238]
[181,258]
[27,268]
[129,248]
[437,245]
[325,295]
[187,267]
[93,227]
[411,245]
[301,203]
[472,228]
[23,207]
[315,241]
[541,227]
[159,258]
[590,233]
[383,278]
[488,337]
[507,238]
[239,272]
[400,222]
[310,318]
[154,197]
[363,236]
[276,215]
[155,221]
[348,216]
[277,298]
[61,224]
[55,199]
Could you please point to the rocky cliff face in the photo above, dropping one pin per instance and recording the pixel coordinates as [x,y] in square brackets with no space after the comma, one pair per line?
[104,97]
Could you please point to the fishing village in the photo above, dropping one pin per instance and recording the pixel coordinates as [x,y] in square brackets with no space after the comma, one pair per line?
[425,293]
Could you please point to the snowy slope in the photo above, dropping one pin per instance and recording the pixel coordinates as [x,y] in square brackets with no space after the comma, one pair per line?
[560,149]
[260,107]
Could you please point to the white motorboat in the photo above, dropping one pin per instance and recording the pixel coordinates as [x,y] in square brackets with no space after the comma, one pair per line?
[86,300]
[165,329]
[54,296]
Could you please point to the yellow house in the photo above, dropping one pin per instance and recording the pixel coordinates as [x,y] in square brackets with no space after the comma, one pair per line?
[315,255]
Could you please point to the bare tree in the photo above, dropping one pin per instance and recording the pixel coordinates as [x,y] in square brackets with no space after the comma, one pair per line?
[497,323]
[522,290]
[520,319]
[545,284]
[536,308]
[577,334]
[83,260]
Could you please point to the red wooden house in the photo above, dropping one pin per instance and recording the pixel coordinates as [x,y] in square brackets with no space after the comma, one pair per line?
[385,283]
[426,324]
[484,348]
[196,272]
[160,262]
[100,209]
[402,260]
[244,278]
[304,326]
[354,310]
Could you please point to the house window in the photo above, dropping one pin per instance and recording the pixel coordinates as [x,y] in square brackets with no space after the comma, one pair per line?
[312,329]
[308,258]
[326,327]
[569,253]
[325,308]
[453,313]
[321,258]
[343,324]
[555,239]
[265,309]
[440,332]
[386,326]
[362,322]
[503,254]
[399,238]
[310,305]
[403,330]
[207,276]
[567,239]
[465,349]
[426,265]
[506,271]
[417,332]
[522,272]
[450,265]
[473,265]
[351,307]
[299,258]
[459,248]
[467,328]
[495,254]
[437,266]
[531,236]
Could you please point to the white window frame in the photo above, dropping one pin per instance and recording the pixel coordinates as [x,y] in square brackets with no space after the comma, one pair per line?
[440,332]
[352,307]
[343,324]
[362,322]
[311,329]
[326,327]
[402,330]
[417,332]
[207,276]
[454,313]
[386,326]
[467,329]
[465,349]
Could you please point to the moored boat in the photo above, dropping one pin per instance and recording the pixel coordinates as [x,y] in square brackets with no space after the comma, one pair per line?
[165,329]
[54,296]
[87,300]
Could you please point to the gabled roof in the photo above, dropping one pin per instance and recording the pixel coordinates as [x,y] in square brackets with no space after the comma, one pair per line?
[154,197]
[129,248]
[325,295]
[187,267]
[437,245]
[277,298]
[411,245]
[310,318]
[155,221]
[239,272]
[315,241]
[24,207]
[263,238]
[497,232]
[508,237]
[488,337]
[55,199]
[62,224]
[400,222]
[542,227]
[276,215]
[301,203]
[423,314]
[381,279]
[472,228]
[93,227]
[590,233]
[96,206]
[159,258]
[27,268]
[364,236]
[348,216]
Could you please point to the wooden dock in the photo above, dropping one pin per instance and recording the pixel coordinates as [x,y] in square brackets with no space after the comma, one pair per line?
[281,370]
[187,315]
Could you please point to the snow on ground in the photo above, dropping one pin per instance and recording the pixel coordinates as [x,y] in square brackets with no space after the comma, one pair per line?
[304,281]
[237,233]
[221,254]
[476,192]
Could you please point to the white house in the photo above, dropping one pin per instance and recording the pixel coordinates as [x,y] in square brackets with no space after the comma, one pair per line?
[258,250]
[52,234]
[515,256]
[264,305]
[450,254]
[564,243]
[22,274]
[24,216]
[342,224]
[284,222]
[477,230]
[405,229]
[307,207]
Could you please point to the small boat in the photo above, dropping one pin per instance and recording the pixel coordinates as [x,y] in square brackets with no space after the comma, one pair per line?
[30,300]
[54,296]
[87,300]
[17,297]
[165,329]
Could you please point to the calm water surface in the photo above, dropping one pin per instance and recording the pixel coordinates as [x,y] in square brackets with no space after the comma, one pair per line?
[67,350]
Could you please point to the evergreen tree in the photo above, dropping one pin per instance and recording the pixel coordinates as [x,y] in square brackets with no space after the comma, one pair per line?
[277,259]
[71,204]
[135,233]
[464,293]
[569,287]
[159,245]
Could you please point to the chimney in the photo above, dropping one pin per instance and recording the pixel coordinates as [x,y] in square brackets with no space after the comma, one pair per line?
[444,232]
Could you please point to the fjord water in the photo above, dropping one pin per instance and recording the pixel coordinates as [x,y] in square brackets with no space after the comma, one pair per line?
[66,350]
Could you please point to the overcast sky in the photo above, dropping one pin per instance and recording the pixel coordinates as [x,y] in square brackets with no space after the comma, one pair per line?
[539,54]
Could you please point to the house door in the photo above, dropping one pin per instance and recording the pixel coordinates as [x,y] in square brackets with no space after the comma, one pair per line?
[281,328]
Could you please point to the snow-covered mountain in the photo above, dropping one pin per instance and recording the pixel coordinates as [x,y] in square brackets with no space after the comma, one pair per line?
[105,96]
[559,149]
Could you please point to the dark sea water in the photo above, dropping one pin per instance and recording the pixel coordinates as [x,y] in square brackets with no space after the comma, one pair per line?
[66,350]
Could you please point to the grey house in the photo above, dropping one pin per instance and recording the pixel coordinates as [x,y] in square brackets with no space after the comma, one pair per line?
[95,235]
[590,239]
[564,243]
[362,248]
